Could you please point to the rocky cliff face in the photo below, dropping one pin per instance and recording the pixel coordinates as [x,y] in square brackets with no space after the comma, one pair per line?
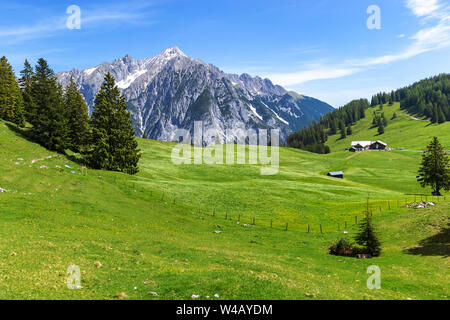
[172,90]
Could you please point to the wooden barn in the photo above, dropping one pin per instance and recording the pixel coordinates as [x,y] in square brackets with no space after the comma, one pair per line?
[336,174]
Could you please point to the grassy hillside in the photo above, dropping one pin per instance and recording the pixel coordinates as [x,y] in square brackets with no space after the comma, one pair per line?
[151,233]
[404,132]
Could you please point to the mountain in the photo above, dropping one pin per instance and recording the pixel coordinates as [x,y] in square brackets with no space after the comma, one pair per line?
[172,90]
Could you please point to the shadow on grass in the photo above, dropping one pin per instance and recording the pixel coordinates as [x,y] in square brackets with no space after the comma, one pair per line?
[23,133]
[437,245]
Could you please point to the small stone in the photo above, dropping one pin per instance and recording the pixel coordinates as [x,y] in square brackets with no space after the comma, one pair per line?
[218,232]
[195,296]
[154,294]
[98,264]
[13,254]
[122,295]
[216,296]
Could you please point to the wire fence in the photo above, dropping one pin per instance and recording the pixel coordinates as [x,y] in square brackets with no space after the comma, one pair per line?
[339,225]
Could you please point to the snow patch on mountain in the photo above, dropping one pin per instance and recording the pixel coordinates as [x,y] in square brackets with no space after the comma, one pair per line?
[130,79]
[254,111]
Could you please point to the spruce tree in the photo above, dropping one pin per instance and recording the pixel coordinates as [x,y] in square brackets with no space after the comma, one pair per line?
[25,81]
[435,168]
[343,130]
[50,127]
[381,128]
[367,236]
[349,130]
[442,118]
[114,146]
[11,102]
[78,118]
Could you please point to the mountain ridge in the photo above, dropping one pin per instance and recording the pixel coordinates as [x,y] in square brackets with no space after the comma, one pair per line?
[162,89]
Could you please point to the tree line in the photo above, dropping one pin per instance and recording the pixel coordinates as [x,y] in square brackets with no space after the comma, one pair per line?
[314,137]
[429,98]
[59,120]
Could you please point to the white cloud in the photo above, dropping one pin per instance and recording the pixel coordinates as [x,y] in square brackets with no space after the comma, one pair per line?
[324,72]
[90,17]
[423,8]
[427,39]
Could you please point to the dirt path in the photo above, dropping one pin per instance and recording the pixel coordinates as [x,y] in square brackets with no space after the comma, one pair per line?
[417,119]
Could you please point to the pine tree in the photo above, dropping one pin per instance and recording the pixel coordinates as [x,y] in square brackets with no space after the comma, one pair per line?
[50,127]
[343,130]
[435,168]
[442,118]
[25,81]
[349,130]
[367,236]
[11,102]
[78,118]
[113,144]
[381,128]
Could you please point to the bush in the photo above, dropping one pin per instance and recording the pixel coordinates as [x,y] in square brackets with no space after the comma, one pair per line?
[342,247]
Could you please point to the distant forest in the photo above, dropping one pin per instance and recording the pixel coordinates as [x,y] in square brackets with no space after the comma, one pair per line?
[429,98]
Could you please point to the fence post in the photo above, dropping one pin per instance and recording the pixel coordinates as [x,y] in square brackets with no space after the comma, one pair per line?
[271,223]
[214,212]
[321,229]
[254,221]
[309,228]
[389,204]
[356,219]
[287,227]
[226,215]
[339,227]
[239,218]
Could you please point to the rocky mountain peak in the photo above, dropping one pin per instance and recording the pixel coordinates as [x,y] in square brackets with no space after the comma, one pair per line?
[171,90]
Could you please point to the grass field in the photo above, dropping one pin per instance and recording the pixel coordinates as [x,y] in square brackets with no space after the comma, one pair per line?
[154,232]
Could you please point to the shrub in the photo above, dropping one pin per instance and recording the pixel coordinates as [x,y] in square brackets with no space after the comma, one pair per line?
[342,247]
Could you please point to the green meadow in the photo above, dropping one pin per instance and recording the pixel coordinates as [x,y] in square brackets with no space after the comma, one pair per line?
[172,231]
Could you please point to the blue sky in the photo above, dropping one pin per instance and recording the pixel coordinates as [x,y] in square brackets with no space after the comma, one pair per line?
[320,48]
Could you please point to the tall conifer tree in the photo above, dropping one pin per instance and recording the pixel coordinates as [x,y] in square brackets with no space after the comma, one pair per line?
[114,146]
[435,169]
[50,127]
[25,81]
[11,102]
[78,118]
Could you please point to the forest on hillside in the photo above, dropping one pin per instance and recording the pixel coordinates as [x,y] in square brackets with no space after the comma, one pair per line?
[429,98]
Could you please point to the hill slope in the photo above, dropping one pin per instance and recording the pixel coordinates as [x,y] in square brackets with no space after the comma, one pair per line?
[406,131]
[149,235]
